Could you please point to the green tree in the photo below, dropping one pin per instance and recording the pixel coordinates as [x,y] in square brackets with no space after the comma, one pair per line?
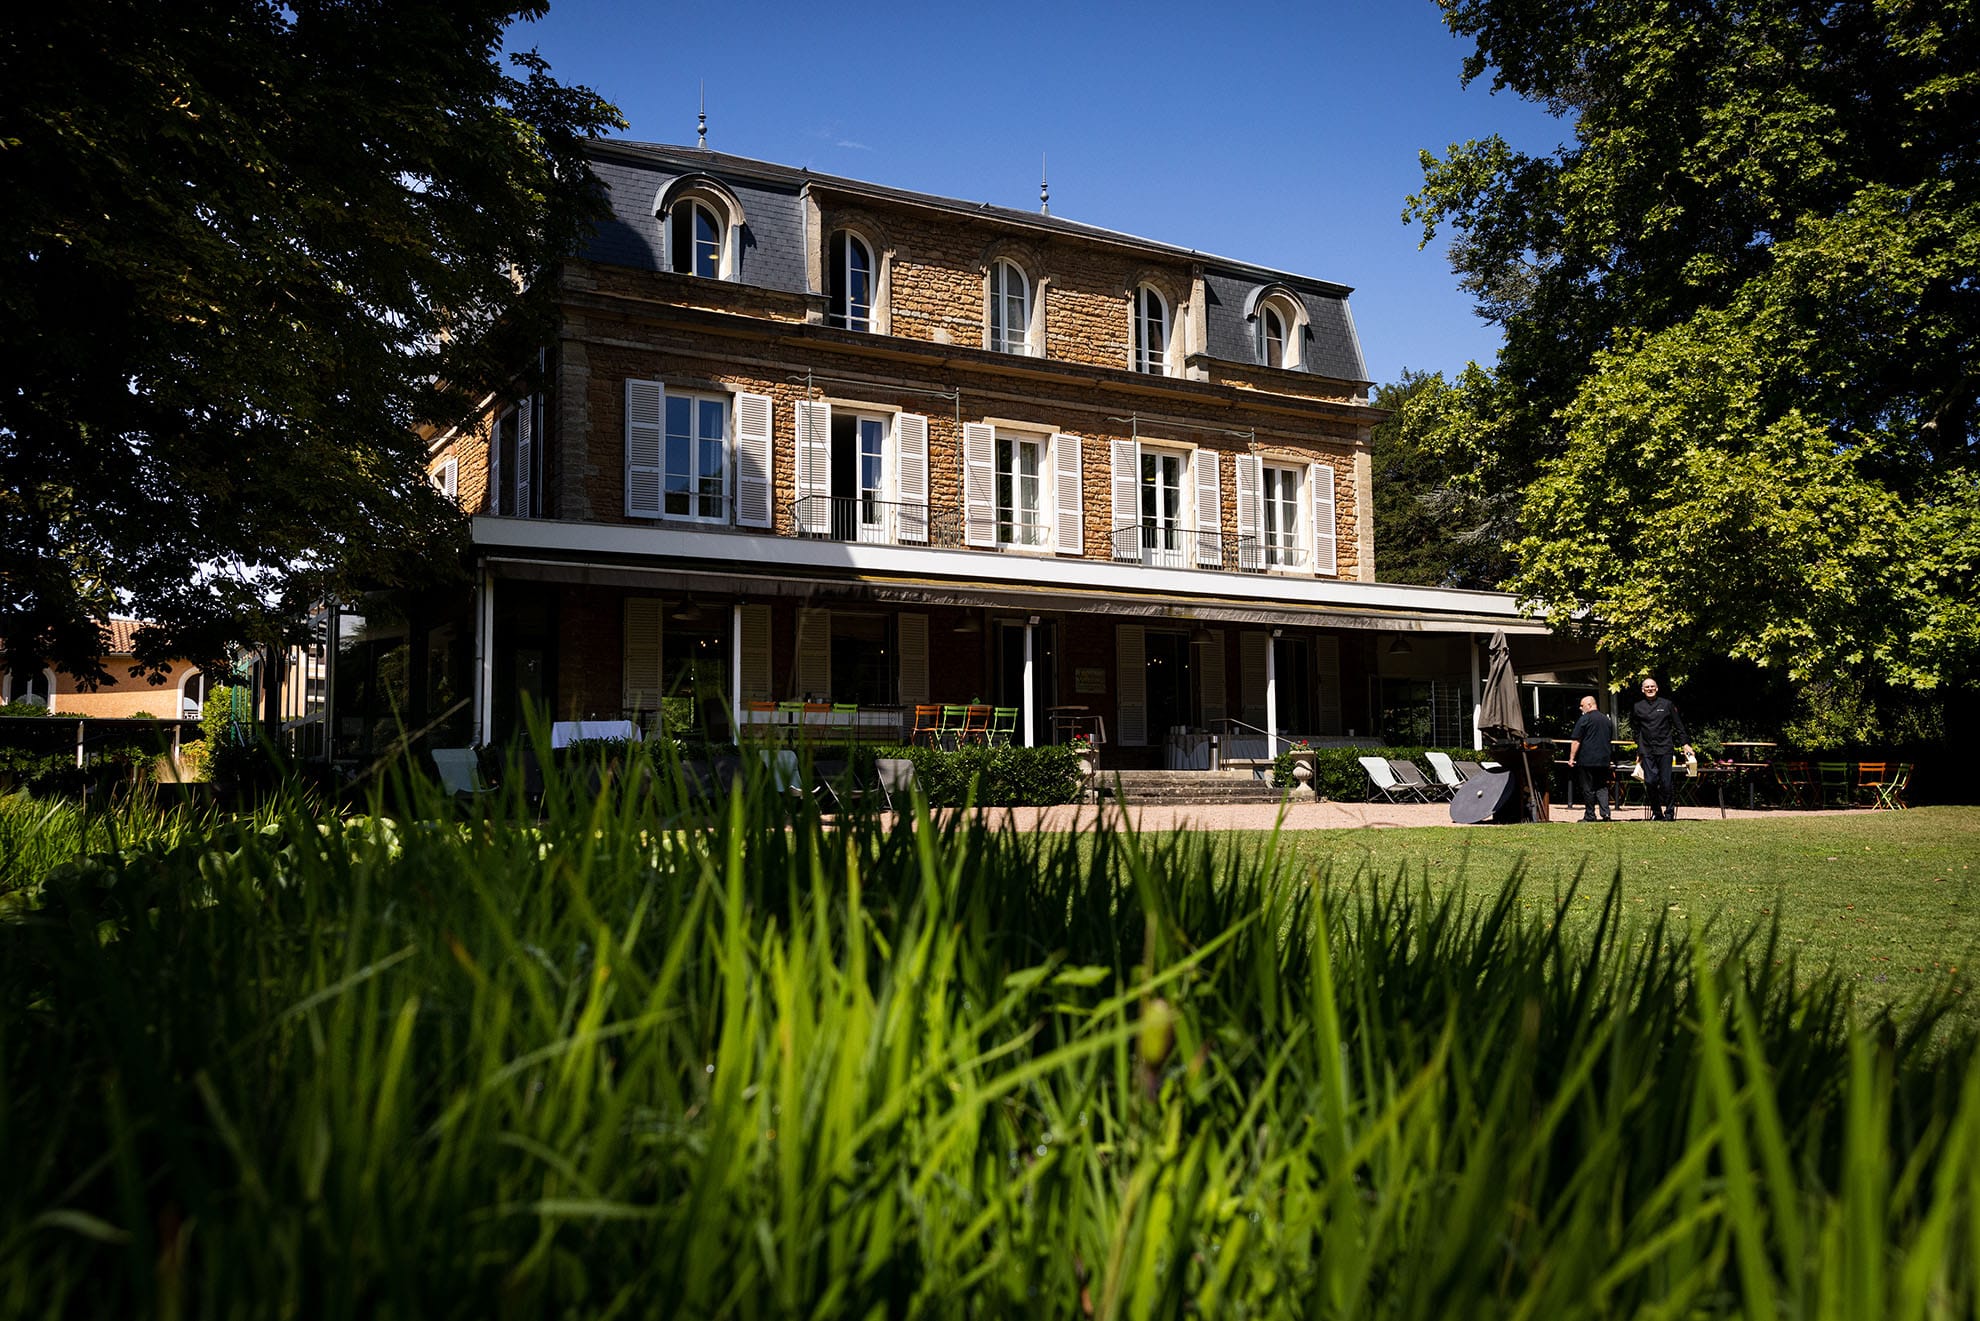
[1429,529]
[1741,367]
[245,248]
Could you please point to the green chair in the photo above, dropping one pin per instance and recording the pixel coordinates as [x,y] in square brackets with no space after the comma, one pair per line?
[1890,794]
[1832,783]
[950,732]
[1003,725]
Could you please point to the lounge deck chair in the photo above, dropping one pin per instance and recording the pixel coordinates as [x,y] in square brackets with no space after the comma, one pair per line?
[1408,773]
[1382,778]
[1446,769]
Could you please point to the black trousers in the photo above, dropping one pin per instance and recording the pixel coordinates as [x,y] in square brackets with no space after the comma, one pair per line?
[1594,782]
[1658,786]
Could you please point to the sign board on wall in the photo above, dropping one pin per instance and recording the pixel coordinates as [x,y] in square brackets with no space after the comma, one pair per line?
[1090,679]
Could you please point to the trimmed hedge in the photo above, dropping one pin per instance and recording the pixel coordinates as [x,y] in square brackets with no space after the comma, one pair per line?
[1005,777]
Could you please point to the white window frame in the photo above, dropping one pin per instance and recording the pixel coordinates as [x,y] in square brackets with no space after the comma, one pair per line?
[999,336]
[1040,532]
[1292,323]
[839,310]
[1274,542]
[15,694]
[695,398]
[185,679]
[723,223]
[1150,353]
[1179,554]
[447,478]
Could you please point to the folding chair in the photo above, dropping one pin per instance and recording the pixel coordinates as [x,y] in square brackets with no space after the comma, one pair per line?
[1446,769]
[949,734]
[1792,776]
[786,774]
[1870,777]
[1891,793]
[1407,773]
[927,727]
[1003,724]
[893,775]
[460,772]
[1832,782]
[976,725]
[1383,777]
[1467,770]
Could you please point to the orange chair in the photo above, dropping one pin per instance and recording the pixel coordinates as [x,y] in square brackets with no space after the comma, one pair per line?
[927,724]
[976,726]
[1870,781]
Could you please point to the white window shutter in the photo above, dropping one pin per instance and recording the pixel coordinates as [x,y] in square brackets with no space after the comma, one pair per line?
[525,458]
[911,637]
[1209,661]
[1327,658]
[979,484]
[641,683]
[1209,510]
[447,478]
[1250,520]
[911,478]
[1130,686]
[1320,477]
[645,406]
[1066,494]
[755,455]
[1251,674]
[814,655]
[814,469]
[756,653]
[1125,458]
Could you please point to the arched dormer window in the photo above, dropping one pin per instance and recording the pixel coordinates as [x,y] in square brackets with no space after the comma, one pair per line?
[1278,322]
[1152,331]
[192,694]
[851,282]
[1010,308]
[700,224]
[31,689]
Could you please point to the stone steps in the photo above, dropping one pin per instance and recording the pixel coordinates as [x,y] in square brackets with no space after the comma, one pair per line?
[1206,788]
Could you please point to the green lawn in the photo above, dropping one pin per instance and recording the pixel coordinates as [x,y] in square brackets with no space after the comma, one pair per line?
[1887,899]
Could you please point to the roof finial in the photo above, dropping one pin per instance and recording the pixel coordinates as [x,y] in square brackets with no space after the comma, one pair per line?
[1044,188]
[701,133]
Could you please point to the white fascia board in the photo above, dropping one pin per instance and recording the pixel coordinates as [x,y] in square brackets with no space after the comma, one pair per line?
[1070,573]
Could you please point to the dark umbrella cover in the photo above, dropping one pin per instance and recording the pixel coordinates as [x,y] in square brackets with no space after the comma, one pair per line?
[1499,716]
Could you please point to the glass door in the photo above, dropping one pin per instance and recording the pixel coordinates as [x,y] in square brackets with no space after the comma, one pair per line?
[1161,509]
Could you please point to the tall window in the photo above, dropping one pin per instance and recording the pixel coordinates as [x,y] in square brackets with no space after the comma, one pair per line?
[1272,330]
[850,283]
[697,439]
[1020,462]
[1010,309]
[1151,331]
[192,694]
[1281,516]
[31,689]
[1161,508]
[697,239]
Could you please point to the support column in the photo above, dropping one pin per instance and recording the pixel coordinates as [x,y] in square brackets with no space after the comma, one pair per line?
[1030,701]
[1477,694]
[1272,694]
[735,673]
[484,660]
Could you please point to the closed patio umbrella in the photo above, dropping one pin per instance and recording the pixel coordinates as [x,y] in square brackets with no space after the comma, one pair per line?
[1498,706]
[1500,720]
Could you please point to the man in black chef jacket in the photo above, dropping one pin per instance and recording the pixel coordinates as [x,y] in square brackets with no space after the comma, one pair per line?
[1659,729]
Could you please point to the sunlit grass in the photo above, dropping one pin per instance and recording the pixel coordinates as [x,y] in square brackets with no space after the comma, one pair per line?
[624,1055]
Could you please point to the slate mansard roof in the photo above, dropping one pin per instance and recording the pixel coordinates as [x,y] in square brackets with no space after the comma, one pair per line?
[772,198]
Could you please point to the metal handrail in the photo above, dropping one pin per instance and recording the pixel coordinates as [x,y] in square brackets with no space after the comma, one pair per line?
[1231,724]
[1181,548]
[876,522]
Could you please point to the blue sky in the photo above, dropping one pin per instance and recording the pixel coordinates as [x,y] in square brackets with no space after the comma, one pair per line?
[1284,135]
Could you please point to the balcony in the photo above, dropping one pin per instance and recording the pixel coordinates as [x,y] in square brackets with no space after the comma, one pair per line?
[874,522]
[1181,548]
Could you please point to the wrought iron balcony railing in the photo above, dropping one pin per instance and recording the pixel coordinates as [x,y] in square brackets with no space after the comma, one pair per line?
[876,522]
[1180,548]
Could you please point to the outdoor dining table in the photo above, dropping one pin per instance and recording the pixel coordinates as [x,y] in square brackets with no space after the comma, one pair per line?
[819,720]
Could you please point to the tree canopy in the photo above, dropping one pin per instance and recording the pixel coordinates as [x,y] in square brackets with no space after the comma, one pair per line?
[1429,530]
[245,248]
[1741,367]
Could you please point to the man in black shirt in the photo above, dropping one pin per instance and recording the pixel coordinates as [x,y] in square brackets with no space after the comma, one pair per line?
[1589,754]
[1659,729]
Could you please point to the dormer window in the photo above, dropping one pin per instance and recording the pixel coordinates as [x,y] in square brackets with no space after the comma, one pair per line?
[696,239]
[1273,327]
[1151,331]
[1278,325]
[851,282]
[1010,308]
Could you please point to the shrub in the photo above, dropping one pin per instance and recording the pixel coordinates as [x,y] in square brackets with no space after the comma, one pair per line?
[1004,777]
